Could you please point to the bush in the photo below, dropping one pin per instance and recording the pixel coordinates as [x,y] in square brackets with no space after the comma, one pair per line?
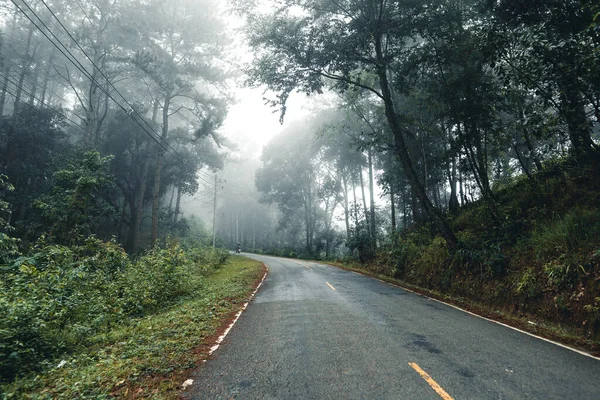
[429,268]
[565,234]
[208,258]
[58,298]
[527,286]
[155,280]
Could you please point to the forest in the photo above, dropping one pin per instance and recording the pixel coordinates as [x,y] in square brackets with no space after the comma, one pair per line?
[454,146]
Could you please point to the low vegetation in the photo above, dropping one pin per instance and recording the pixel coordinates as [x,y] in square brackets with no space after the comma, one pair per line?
[85,328]
[542,263]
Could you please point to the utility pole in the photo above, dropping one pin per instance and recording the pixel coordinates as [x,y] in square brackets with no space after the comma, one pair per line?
[215,212]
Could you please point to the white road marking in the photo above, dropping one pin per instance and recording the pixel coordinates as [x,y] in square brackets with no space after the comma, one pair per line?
[237,316]
[583,353]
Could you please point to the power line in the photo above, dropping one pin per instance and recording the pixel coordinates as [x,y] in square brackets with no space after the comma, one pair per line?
[47,112]
[61,98]
[47,106]
[203,180]
[100,71]
[82,69]
[205,174]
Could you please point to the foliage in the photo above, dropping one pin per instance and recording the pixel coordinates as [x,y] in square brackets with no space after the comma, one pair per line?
[565,234]
[31,147]
[78,202]
[149,355]
[8,245]
[59,297]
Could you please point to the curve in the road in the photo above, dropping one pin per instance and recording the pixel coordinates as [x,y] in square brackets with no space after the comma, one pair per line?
[301,339]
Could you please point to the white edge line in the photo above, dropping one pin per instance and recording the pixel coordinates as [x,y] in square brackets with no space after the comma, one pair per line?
[583,353]
[237,316]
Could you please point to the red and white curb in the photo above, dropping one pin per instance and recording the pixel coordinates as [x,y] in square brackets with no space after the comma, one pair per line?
[237,316]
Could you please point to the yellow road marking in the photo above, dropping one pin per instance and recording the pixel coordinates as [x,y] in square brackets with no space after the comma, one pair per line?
[308,267]
[329,284]
[434,385]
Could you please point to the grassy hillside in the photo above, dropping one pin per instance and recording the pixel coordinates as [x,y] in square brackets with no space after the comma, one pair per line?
[535,256]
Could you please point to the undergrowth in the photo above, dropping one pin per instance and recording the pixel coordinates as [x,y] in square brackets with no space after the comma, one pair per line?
[146,356]
[55,300]
[542,260]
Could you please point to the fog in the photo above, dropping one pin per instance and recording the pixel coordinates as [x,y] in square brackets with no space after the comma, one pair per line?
[323,141]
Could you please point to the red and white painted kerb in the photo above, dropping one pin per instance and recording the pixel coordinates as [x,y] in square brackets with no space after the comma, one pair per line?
[237,316]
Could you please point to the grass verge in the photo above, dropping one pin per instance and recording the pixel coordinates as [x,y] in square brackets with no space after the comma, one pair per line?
[148,357]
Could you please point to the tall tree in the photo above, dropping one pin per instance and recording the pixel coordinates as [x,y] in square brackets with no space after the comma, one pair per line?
[182,46]
[341,41]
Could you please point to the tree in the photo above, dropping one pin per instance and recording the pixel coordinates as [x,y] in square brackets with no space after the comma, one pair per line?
[557,58]
[334,44]
[179,56]
[31,144]
[78,202]
[288,178]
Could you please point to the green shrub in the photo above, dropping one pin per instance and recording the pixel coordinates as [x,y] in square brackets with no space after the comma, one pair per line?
[58,298]
[527,286]
[559,273]
[427,265]
[155,280]
[207,258]
[401,254]
[565,234]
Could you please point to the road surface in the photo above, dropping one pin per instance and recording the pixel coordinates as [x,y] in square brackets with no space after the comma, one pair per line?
[319,332]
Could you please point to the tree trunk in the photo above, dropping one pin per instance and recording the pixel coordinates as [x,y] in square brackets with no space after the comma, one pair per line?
[172,198]
[404,210]
[573,110]
[399,142]
[177,205]
[122,219]
[355,203]
[364,200]
[4,89]
[417,215]
[393,207]
[26,62]
[34,84]
[46,78]
[346,209]
[158,170]
[137,212]
[453,203]
[461,191]
[372,200]
[532,152]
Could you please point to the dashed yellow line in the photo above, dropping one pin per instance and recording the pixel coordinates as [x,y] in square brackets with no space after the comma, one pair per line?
[434,385]
[329,284]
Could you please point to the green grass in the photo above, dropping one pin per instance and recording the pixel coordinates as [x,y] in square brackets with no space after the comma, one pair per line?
[147,357]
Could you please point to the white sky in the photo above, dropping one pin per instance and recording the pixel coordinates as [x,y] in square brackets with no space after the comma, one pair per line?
[249,122]
[252,124]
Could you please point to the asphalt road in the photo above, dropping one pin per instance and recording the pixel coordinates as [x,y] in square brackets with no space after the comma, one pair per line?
[318,332]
